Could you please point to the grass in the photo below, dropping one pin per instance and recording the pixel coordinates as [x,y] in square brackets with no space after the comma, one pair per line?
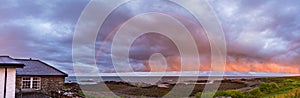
[286,87]
[289,87]
[124,89]
[281,91]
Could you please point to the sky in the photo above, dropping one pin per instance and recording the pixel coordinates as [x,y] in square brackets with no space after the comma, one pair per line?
[261,35]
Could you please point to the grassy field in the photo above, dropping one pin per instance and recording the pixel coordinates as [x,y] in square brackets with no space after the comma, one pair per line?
[124,89]
[285,87]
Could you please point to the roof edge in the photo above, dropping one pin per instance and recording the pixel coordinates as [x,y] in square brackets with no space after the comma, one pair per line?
[42,75]
[53,67]
[11,65]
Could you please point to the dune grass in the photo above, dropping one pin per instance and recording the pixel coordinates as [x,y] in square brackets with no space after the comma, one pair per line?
[285,87]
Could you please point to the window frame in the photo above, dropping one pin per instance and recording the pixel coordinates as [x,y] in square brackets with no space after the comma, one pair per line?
[31,82]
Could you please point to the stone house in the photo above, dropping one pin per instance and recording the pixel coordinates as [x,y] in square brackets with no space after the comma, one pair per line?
[35,76]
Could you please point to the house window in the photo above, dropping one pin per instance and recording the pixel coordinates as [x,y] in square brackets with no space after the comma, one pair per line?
[31,83]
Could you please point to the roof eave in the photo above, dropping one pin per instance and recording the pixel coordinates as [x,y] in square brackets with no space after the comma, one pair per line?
[11,65]
[44,75]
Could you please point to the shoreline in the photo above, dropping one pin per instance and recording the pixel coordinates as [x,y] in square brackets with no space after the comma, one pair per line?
[90,80]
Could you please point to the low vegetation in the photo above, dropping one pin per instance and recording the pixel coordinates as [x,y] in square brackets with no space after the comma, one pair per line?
[287,87]
[125,89]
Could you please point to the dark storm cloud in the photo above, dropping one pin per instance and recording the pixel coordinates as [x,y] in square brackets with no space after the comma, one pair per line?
[40,29]
[264,30]
[257,32]
[262,33]
[148,44]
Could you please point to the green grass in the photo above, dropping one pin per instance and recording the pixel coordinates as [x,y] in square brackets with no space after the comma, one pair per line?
[281,91]
[286,87]
[231,93]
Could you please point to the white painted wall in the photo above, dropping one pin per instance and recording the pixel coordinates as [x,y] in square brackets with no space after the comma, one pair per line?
[2,70]
[11,82]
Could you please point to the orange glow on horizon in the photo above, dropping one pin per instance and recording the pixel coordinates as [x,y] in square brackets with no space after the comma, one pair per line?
[175,65]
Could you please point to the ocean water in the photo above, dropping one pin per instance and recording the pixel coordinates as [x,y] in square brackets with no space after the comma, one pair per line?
[149,80]
[171,77]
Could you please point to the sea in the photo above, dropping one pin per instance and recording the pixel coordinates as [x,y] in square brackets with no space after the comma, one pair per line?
[178,77]
[146,79]
[94,79]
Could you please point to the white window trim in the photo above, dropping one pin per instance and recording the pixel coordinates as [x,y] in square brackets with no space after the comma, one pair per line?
[31,82]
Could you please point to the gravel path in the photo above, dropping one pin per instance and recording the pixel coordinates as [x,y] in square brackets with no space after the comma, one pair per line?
[250,85]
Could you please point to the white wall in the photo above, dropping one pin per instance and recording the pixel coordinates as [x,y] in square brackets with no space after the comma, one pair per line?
[10,84]
[2,70]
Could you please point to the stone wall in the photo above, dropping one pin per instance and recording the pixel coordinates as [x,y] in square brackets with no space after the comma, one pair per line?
[48,83]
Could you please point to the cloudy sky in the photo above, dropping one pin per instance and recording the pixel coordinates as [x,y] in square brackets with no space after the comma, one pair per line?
[261,35]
